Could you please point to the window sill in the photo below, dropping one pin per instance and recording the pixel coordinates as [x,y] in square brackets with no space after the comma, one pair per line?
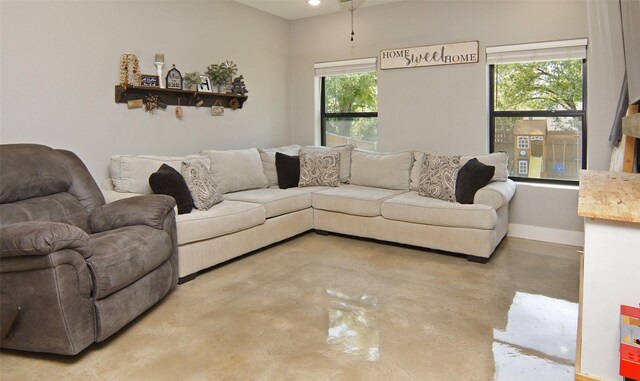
[547,185]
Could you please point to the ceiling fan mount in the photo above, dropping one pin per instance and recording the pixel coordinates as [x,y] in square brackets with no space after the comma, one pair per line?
[350,4]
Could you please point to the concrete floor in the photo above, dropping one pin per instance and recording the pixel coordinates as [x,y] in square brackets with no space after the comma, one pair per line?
[338,308]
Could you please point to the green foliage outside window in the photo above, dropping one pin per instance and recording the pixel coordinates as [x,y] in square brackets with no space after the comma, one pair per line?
[352,93]
[547,85]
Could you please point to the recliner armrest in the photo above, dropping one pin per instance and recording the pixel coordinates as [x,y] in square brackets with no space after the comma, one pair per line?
[42,238]
[496,193]
[150,210]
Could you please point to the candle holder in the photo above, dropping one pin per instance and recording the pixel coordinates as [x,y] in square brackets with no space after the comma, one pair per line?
[159,66]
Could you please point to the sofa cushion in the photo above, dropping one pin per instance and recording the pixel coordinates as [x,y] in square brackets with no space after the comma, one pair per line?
[224,218]
[130,173]
[122,256]
[236,170]
[167,180]
[471,177]
[438,177]
[499,160]
[345,158]
[268,158]
[380,169]
[416,169]
[411,207]
[319,168]
[275,201]
[288,170]
[204,191]
[353,199]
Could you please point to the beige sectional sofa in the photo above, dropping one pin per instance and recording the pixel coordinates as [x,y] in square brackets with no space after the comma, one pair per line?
[380,201]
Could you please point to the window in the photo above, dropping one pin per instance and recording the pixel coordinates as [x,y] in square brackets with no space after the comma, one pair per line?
[537,109]
[523,167]
[349,103]
[523,141]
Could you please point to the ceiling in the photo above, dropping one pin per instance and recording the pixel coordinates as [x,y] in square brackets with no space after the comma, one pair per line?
[298,9]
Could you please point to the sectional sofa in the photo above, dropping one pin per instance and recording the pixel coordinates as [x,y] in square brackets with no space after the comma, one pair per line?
[377,198]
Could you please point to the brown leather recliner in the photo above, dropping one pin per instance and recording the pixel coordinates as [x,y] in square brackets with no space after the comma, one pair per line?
[73,270]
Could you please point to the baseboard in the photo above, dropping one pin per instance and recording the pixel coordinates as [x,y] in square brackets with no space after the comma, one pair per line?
[539,233]
[584,377]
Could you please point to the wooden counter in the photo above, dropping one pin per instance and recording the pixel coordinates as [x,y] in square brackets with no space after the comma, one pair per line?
[609,195]
[610,203]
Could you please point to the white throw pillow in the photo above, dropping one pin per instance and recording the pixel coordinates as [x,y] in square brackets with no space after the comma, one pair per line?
[416,169]
[345,158]
[130,173]
[499,160]
[268,157]
[496,159]
[236,170]
[389,170]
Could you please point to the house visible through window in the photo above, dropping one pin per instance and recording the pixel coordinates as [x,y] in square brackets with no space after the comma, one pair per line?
[537,109]
[349,103]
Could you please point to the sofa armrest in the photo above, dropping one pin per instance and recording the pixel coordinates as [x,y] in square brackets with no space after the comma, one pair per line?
[496,193]
[150,210]
[35,238]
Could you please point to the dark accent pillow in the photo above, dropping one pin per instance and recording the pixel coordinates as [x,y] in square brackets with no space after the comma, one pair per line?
[167,180]
[288,170]
[471,177]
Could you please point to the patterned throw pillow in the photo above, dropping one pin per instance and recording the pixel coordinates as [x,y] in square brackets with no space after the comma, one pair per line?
[203,190]
[319,168]
[438,177]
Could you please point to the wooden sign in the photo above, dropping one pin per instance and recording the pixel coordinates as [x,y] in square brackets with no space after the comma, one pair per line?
[433,55]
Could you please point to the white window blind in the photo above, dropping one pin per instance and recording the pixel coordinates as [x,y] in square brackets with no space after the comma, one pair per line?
[361,65]
[539,51]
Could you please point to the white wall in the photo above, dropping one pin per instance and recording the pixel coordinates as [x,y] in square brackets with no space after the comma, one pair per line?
[60,63]
[445,109]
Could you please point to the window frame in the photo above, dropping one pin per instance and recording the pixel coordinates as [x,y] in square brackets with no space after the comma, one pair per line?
[324,115]
[493,114]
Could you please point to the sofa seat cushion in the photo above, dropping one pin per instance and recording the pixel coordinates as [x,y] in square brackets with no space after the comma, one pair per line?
[353,199]
[224,218]
[411,207]
[275,201]
[122,256]
[268,157]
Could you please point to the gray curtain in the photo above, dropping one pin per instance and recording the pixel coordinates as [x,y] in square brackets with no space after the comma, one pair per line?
[623,102]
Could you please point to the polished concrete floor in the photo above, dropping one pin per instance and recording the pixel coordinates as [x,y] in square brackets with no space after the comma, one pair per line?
[337,308]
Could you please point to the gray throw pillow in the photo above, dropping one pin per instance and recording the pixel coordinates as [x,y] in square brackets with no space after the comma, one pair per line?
[438,177]
[201,185]
[319,168]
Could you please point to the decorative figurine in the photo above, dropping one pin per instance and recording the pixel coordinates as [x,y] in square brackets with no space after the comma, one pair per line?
[238,86]
[159,62]
[174,79]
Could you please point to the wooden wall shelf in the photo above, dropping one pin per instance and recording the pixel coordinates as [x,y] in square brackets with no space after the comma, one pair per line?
[175,97]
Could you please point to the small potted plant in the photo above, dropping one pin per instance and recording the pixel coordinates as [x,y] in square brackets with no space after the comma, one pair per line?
[192,80]
[222,74]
